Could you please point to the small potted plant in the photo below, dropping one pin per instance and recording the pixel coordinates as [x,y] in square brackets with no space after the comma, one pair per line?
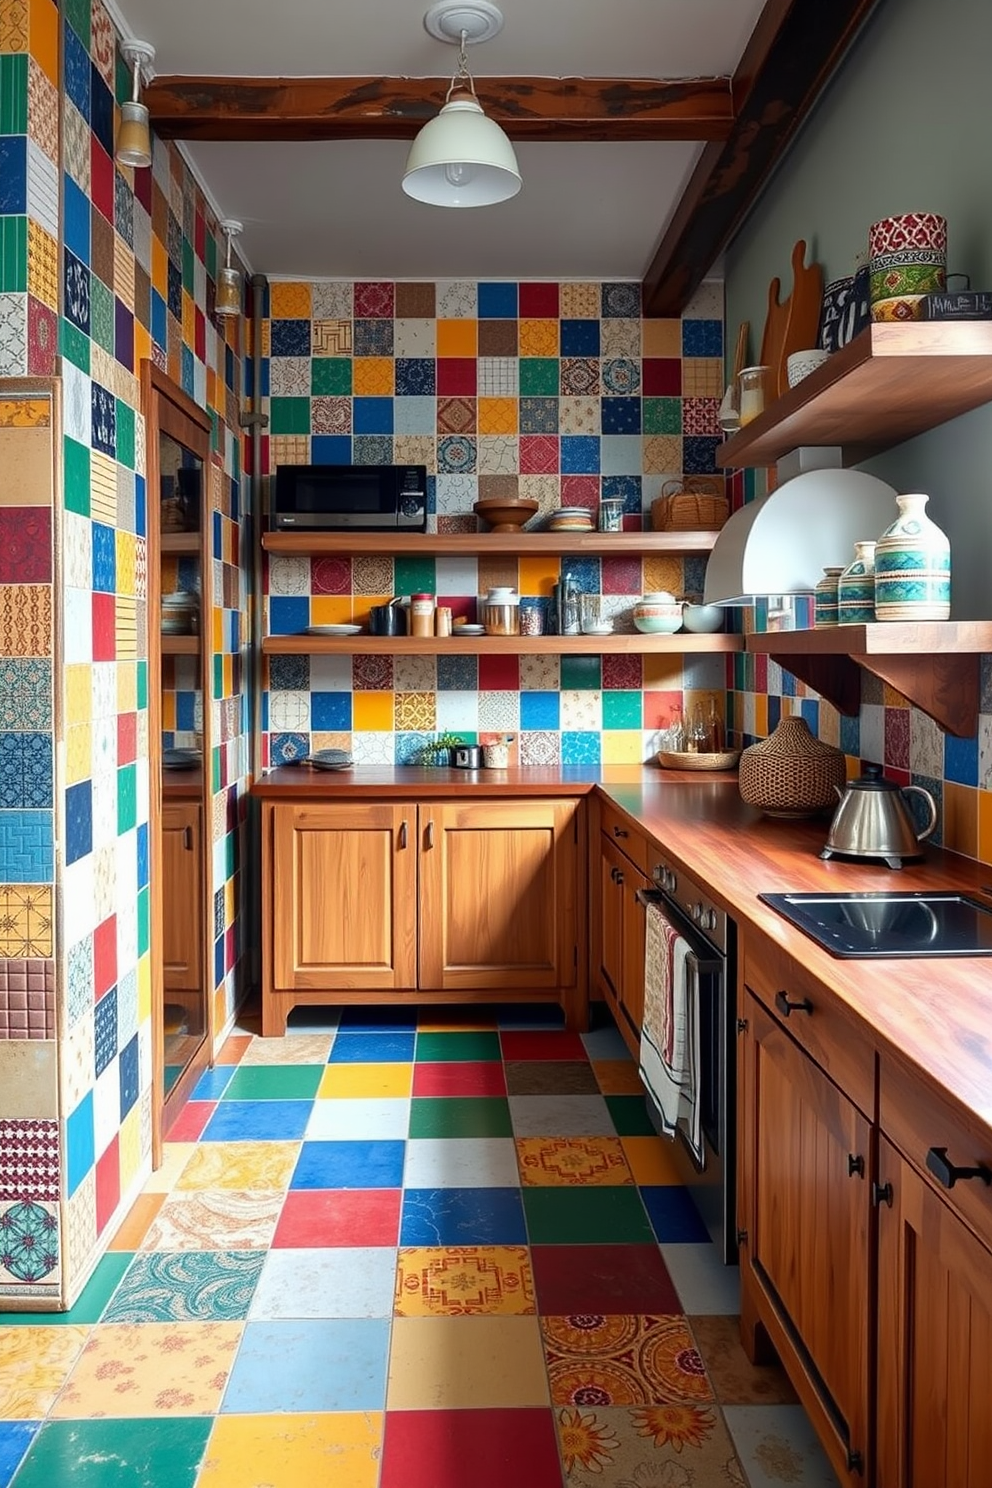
[437,753]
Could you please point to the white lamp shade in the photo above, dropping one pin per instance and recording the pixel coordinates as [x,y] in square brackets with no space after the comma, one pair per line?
[134,141]
[461,159]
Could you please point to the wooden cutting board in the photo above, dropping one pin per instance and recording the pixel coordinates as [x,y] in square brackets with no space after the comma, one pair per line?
[791,324]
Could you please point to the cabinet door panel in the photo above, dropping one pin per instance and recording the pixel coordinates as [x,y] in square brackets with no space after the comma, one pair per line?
[634,933]
[498,891]
[345,890]
[181,953]
[809,1222]
[609,909]
[935,1340]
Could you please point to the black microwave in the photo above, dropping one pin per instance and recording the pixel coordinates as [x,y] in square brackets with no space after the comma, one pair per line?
[357,498]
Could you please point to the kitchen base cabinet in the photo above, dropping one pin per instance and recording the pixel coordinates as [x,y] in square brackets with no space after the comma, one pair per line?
[445,901]
[805,1210]
[618,921]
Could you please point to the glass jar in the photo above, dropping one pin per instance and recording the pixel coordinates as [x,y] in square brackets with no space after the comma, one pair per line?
[421,614]
[610,517]
[531,616]
[501,612]
[752,382]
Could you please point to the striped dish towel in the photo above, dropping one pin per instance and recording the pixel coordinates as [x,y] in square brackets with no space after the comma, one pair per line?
[669,1054]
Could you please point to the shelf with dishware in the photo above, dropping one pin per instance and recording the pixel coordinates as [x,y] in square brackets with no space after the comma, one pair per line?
[890,383]
[180,645]
[512,645]
[933,663]
[497,544]
[180,544]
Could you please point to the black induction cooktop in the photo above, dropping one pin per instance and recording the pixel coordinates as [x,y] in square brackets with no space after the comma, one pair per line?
[890,924]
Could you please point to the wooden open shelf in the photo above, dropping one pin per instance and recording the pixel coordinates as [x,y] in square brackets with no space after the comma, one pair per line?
[185,544]
[610,645]
[933,663]
[180,645]
[887,385]
[498,544]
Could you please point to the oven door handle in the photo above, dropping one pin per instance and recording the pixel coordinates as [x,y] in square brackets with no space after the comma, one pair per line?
[649,896]
[704,958]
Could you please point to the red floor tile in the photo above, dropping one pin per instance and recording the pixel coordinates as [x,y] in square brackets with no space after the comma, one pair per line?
[541,1044]
[233,1048]
[188,1125]
[484,1448]
[571,1279]
[473,1077]
[317,1217]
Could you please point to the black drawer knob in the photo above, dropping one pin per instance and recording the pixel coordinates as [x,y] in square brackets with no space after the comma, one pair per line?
[947,1174]
[620,832]
[788,1005]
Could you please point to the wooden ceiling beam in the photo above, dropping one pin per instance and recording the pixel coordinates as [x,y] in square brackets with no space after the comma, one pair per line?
[793,52]
[549,109]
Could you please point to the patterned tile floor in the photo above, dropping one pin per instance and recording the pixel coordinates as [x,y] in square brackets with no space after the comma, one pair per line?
[400,1252]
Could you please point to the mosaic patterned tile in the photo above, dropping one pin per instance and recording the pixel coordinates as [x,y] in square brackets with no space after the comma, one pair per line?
[186,1287]
[33,1369]
[671,1444]
[629,1360]
[572,1161]
[178,1370]
[231,1220]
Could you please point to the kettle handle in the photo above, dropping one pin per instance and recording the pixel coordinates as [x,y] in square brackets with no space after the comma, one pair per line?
[931,825]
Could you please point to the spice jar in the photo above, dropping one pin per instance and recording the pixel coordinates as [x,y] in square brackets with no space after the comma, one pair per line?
[501,612]
[421,614]
[442,620]
[752,393]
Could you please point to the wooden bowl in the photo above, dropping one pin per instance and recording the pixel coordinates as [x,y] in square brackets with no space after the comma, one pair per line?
[506,514]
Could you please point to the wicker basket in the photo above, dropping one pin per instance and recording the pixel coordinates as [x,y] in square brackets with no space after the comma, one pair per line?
[689,508]
[791,773]
[725,759]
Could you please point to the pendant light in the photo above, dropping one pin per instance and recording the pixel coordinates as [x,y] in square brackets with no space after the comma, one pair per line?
[134,137]
[461,158]
[228,297]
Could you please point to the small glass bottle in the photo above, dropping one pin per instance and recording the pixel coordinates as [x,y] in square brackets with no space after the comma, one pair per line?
[752,383]
[714,729]
[422,614]
[442,620]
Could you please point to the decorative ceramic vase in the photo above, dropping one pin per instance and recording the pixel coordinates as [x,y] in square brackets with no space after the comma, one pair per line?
[825,599]
[791,773]
[856,587]
[912,566]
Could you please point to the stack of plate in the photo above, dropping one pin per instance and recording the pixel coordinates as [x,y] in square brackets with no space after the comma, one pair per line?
[181,759]
[570,519]
[330,759]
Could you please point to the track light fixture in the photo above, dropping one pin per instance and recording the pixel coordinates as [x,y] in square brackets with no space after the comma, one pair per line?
[228,297]
[134,137]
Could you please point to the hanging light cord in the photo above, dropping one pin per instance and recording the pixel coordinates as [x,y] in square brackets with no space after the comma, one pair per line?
[136,79]
[462,77]
[229,236]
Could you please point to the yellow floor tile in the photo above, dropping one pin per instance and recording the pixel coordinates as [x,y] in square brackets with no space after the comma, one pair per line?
[285,1451]
[454,1363]
[366,1080]
[175,1156]
[651,1160]
[450,1281]
[618,1077]
[34,1365]
[151,1369]
[569,1162]
[245,1165]
[136,1222]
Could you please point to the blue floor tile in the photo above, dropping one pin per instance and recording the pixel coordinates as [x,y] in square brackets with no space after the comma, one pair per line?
[674,1217]
[462,1216]
[336,1365]
[212,1083]
[15,1438]
[385,1046]
[349,1165]
[258,1121]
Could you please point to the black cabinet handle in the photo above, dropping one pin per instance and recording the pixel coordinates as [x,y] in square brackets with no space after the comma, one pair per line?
[429,835]
[402,839]
[882,1193]
[947,1174]
[787,1007]
[855,1165]
[619,875]
[620,832]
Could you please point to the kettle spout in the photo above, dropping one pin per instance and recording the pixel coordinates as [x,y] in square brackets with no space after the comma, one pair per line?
[840,793]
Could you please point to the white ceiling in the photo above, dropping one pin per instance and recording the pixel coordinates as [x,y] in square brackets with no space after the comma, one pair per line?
[336,209]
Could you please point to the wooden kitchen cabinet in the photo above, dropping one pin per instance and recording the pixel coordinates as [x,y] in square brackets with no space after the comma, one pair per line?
[445,901]
[805,1153]
[619,938]
[182,954]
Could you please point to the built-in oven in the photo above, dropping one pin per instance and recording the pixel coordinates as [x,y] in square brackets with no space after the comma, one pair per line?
[704,1159]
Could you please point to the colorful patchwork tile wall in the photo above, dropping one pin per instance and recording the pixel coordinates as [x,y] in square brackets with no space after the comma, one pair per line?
[555,391]
[888,730]
[138,260]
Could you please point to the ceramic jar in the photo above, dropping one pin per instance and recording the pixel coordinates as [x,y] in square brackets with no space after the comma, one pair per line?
[912,566]
[825,599]
[856,587]
[791,773]
[659,613]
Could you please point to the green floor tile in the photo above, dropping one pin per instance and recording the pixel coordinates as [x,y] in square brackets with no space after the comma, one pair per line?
[457,1116]
[630,1116]
[442,1047]
[590,1216]
[153,1453]
[274,1082]
[93,1299]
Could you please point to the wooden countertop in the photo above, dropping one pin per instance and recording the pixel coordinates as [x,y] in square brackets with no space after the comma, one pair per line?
[932,1013]
[182,785]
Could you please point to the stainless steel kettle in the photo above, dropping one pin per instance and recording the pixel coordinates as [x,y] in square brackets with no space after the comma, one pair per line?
[873,820]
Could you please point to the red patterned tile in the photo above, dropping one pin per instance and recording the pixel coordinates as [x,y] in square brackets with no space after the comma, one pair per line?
[25,545]
[580,490]
[27,995]
[621,576]
[622,672]
[897,737]
[127,738]
[43,339]
[29,1161]
[699,415]
[374,300]
[457,416]
[487,1448]
[330,575]
[104,627]
[372,673]
[539,454]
